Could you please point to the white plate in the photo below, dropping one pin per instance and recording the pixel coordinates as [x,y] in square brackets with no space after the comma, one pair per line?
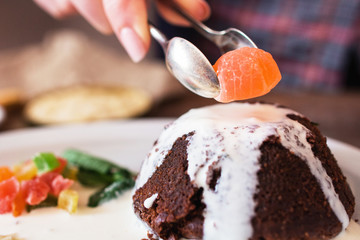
[128,142]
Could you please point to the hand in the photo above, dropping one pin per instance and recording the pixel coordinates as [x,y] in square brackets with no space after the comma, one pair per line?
[127,19]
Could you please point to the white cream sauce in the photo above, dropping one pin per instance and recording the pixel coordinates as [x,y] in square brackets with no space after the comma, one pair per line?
[150,201]
[234,132]
[112,220]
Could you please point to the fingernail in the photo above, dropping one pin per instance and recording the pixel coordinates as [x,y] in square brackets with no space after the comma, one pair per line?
[132,43]
[203,10]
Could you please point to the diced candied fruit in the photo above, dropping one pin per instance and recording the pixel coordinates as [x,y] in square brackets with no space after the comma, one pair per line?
[68,200]
[5,173]
[70,172]
[18,204]
[8,190]
[25,171]
[62,165]
[35,191]
[46,162]
[56,182]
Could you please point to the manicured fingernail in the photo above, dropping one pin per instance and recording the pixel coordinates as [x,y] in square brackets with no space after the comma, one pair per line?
[132,43]
[203,10]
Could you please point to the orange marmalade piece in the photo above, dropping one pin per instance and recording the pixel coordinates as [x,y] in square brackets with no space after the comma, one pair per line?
[246,73]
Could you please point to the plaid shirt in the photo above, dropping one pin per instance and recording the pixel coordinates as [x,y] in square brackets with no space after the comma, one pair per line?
[316,43]
[313,41]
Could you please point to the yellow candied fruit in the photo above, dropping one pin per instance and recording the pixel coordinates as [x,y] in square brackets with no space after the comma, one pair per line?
[25,171]
[71,172]
[68,200]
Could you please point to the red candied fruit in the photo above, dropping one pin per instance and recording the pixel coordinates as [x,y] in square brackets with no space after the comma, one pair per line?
[35,191]
[56,182]
[8,190]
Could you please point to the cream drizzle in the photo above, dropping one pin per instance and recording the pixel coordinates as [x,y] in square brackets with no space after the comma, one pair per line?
[150,201]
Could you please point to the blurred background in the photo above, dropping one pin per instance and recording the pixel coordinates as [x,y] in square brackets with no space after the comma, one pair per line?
[316,45]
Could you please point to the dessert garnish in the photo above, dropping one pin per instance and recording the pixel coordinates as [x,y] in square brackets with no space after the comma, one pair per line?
[246,73]
[46,179]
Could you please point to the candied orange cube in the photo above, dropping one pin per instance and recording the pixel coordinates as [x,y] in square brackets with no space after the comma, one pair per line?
[5,173]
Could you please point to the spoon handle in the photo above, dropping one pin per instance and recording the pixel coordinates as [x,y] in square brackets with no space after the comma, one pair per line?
[158,36]
[198,26]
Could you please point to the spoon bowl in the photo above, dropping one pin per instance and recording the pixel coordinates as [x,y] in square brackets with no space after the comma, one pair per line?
[188,65]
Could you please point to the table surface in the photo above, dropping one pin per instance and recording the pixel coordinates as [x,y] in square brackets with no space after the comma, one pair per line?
[338,114]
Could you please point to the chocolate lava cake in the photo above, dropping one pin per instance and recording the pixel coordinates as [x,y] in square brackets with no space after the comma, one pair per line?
[242,171]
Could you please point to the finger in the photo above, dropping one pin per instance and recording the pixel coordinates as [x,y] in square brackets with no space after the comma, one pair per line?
[94,13]
[56,8]
[199,9]
[128,19]
[65,8]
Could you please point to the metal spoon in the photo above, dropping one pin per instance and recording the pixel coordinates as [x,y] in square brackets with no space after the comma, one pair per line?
[226,40]
[188,64]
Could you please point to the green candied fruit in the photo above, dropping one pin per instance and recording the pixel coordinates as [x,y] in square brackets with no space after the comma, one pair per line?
[45,162]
